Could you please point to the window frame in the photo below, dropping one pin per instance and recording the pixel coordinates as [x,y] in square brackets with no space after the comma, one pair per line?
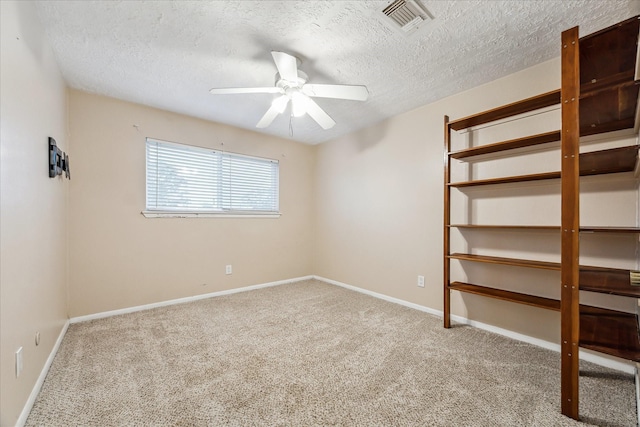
[164,212]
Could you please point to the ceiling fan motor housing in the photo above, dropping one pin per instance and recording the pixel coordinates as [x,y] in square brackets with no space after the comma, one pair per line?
[286,84]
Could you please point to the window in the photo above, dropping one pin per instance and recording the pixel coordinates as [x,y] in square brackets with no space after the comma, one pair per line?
[192,180]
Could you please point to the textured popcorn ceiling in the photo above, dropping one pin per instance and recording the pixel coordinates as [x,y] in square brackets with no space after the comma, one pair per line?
[168,54]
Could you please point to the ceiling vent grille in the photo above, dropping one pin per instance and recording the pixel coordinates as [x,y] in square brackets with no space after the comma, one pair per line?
[406,15]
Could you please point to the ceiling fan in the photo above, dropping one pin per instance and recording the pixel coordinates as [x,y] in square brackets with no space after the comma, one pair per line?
[292,84]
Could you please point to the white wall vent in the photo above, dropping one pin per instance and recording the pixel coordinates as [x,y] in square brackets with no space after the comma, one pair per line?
[406,15]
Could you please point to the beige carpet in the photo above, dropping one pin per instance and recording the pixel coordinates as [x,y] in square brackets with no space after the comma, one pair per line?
[308,354]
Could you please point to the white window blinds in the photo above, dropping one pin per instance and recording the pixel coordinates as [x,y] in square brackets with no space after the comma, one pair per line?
[182,178]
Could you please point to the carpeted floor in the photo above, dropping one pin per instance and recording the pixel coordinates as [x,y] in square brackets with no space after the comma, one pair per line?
[306,354]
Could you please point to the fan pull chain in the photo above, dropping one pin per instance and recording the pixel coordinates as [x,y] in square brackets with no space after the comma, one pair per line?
[291,126]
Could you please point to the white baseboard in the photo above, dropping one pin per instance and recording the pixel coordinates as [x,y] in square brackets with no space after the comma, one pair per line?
[626,367]
[22,419]
[381,296]
[181,300]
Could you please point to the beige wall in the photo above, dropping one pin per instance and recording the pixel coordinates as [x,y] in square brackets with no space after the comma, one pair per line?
[119,259]
[33,235]
[379,209]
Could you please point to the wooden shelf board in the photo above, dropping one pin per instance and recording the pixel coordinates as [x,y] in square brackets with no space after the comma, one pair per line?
[507,261]
[524,106]
[507,227]
[606,331]
[588,128]
[583,229]
[614,160]
[613,82]
[531,300]
[506,180]
[607,281]
[527,141]
[610,332]
[612,281]
[590,229]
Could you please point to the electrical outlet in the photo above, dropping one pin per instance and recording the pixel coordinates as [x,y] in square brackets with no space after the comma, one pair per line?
[228,269]
[18,362]
[421,281]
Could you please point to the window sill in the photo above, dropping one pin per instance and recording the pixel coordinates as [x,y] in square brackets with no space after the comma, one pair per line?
[171,214]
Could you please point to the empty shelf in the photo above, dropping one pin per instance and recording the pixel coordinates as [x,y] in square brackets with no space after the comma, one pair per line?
[606,331]
[506,180]
[611,281]
[530,104]
[611,332]
[590,229]
[507,227]
[615,160]
[507,261]
[527,141]
[583,229]
[608,281]
[531,300]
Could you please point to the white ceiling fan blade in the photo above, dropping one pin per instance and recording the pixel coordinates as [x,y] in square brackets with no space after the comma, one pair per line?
[277,107]
[355,93]
[236,90]
[287,65]
[318,114]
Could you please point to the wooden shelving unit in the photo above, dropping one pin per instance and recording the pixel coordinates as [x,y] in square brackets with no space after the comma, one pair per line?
[599,94]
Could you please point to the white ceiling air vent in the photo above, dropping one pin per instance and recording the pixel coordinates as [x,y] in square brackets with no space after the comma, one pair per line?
[406,15]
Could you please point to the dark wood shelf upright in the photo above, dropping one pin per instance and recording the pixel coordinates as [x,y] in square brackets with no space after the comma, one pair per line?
[570,223]
[446,304]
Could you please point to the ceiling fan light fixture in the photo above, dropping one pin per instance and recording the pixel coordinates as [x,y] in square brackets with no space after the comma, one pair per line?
[298,104]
